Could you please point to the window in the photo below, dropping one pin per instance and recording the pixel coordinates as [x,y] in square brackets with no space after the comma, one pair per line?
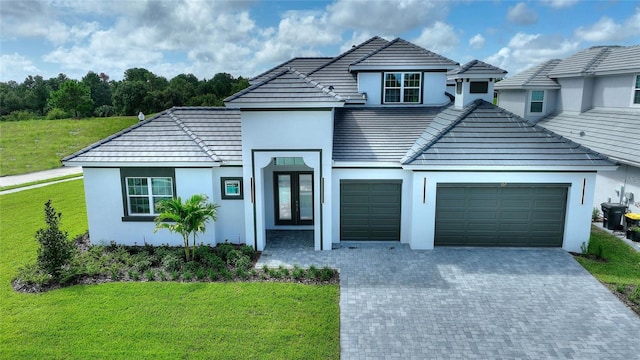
[537,101]
[402,88]
[636,91]
[143,189]
[459,87]
[280,161]
[231,188]
[478,87]
[144,194]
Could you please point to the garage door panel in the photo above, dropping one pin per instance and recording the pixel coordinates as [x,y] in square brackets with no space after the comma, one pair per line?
[494,215]
[370,209]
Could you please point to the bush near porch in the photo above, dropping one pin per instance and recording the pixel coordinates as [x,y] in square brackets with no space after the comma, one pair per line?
[150,319]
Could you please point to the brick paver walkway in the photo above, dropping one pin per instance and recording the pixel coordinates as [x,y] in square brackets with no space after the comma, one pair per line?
[467,303]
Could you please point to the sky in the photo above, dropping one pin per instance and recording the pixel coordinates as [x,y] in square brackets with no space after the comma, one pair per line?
[245,38]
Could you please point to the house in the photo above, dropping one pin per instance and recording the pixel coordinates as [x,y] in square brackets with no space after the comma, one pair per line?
[365,146]
[591,98]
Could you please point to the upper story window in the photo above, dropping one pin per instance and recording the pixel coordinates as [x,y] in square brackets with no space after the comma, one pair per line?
[478,87]
[402,88]
[536,103]
[636,91]
[144,194]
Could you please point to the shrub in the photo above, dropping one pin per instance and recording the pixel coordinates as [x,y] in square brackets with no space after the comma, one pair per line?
[248,251]
[192,266]
[104,111]
[223,249]
[187,275]
[32,274]
[57,113]
[595,214]
[20,115]
[243,262]
[55,250]
[171,262]
[233,256]
[326,273]
[150,275]
[213,261]
[201,252]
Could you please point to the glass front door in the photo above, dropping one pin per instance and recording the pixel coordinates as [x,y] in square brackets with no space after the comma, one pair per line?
[293,198]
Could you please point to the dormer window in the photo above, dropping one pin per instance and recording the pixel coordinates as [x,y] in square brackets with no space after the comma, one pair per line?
[402,88]
[536,104]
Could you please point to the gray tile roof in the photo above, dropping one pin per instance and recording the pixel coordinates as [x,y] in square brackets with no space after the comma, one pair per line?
[399,52]
[303,64]
[289,86]
[581,63]
[535,77]
[484,135]
[614,132]
[181,134]
[477,67]
[620,59]
[380,134]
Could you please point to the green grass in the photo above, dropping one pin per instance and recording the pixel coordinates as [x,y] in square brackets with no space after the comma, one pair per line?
[150,319]
[34,145]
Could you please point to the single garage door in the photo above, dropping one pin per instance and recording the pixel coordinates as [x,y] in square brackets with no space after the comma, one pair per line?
[500,214]
[370,209]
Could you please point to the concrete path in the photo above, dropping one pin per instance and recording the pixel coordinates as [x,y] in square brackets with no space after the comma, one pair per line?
[38,176]
[468,303]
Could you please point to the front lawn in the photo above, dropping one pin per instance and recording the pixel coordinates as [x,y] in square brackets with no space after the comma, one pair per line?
[621,270]
[150,319]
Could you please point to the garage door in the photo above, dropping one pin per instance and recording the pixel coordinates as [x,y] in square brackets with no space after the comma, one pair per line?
[500,215]
[370,209]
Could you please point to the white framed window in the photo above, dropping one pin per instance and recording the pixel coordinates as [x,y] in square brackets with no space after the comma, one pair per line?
[536,101]
[403,88]
[635,100]
[144,194]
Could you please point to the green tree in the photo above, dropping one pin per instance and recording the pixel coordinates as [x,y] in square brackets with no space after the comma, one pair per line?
[186,218]
[99,87]
[55,250]
[74,97]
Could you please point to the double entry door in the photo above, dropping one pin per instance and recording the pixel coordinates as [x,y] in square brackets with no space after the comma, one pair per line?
[293,198]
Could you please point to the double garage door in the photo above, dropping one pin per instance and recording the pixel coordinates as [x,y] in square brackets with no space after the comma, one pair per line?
[500,215]
[466,214]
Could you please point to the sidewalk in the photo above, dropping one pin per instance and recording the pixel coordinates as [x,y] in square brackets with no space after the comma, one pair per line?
[38,176]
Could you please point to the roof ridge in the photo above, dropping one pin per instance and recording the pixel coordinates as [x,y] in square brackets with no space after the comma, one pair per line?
[373,52]
[254,86]
[465,112]
[325,89]
[193,136]
[354,48]
[288,62]
[113,136]
[542,67]
[597,59]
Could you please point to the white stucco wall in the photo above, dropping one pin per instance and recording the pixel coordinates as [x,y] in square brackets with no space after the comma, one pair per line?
[375,174]
[434,87]
[607,182]
[513,101]
[371,83]
[231,222]
[307,134]
[105,208]
[467,97]
[571,95]
[613,91]
[578,214]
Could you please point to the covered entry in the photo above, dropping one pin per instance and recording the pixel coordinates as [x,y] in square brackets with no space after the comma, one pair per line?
[370,209]
[500,214]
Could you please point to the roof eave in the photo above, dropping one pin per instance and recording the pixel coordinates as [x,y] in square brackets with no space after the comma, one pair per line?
[285,105]
[119,164]
[363,67]
[507,168]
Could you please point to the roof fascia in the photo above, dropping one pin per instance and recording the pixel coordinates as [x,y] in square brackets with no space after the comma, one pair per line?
[365,164]
[503,168]
[118,164]
[475,76]
[527,87]
[285,105]
[361,67]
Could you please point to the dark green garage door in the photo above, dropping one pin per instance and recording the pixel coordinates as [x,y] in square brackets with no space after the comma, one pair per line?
[500,215]
[370,209]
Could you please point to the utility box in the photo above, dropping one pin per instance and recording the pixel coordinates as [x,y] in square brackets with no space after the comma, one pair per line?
[612,214]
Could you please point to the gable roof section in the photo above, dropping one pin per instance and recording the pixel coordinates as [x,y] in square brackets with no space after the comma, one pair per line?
[193,136]
[532,78]
[303,64]
[477,67]
[336,73]
[366,134]
[581,63]
[289,86]
[609,131]
[488,137]
[400,53]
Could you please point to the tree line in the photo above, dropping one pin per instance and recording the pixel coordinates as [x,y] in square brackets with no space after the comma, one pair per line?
[97,95]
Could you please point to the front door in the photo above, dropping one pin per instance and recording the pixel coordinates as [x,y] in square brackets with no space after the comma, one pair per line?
[293,198]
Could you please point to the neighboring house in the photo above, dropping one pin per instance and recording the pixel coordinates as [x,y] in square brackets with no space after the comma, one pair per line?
[365,146]
[592,98]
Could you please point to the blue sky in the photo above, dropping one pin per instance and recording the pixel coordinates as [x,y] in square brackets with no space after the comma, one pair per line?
[244,38]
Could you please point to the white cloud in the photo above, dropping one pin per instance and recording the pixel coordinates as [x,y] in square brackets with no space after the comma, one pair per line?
[15,66]
[477,41]
[521,14]
[527,50]
[439,38]
[606,29]
[385,17]
[559,4]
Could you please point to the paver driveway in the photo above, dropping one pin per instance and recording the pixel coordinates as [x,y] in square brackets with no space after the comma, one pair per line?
[475,303]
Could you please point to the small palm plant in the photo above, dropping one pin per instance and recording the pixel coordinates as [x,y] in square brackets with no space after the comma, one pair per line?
[186,218]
